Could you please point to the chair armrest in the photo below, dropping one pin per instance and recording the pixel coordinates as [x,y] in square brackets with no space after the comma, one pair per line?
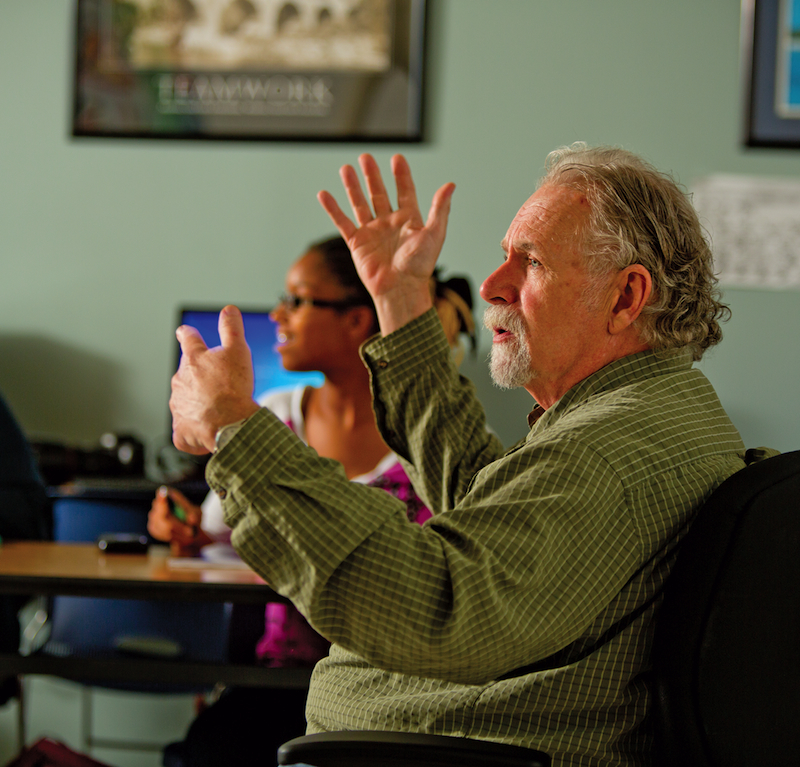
[401,749]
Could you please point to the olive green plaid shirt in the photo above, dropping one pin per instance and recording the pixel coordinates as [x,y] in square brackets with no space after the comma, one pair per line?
[522,610]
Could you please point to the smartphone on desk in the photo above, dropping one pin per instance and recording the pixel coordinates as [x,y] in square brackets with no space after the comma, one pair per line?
[122,543]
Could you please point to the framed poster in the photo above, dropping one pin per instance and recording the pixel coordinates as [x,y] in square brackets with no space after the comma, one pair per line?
[771,59]
[306,70]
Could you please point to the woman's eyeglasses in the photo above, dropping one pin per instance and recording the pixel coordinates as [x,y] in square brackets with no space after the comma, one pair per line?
[291,302]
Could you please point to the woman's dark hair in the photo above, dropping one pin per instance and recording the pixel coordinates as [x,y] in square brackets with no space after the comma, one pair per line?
[338,261]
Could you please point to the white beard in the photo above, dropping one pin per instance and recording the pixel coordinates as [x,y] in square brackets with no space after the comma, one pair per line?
[510,363]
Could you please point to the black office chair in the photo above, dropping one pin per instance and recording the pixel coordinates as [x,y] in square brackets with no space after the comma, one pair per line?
[726,660]
[727,650]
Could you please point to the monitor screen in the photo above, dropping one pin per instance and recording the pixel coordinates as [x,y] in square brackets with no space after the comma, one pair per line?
[260,332]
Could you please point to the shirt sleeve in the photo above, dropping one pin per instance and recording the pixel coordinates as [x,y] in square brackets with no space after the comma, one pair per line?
[477,591]
[427,413]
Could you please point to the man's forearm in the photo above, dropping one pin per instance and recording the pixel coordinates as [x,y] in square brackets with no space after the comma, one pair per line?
[426,413]
[395,310]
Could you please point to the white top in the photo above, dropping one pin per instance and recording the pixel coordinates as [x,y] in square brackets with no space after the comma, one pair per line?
[287,404]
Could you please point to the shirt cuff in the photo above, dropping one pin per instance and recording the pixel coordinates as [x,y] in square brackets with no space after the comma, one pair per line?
[415,344]
[226,433]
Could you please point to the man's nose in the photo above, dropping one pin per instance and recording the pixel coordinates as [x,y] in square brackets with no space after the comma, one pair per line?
[498,287]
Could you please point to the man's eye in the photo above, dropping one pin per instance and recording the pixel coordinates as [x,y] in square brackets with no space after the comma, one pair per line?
[533,261]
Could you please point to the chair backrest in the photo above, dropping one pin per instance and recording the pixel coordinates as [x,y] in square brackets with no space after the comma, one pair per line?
[727,646]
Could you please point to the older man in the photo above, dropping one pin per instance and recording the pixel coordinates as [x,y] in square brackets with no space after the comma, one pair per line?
[523,610]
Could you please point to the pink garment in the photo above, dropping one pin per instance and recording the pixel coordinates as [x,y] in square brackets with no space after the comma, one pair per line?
[396,481]
[288,639]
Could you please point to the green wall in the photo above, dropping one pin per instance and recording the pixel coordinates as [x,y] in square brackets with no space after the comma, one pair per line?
[102,240]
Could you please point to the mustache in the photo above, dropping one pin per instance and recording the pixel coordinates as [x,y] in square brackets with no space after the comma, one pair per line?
[499,316]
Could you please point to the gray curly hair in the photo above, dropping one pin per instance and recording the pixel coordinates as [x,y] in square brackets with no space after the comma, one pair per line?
[641,216]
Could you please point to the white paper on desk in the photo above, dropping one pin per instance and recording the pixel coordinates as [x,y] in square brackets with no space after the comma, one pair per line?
[200,563]
[754,224]
[220,552]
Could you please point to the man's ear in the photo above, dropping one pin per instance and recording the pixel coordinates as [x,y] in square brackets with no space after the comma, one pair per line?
[631,292]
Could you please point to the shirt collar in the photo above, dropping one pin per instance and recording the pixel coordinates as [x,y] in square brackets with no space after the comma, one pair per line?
[621,372]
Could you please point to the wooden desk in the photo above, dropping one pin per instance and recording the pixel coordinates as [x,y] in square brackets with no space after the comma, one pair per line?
[79,569]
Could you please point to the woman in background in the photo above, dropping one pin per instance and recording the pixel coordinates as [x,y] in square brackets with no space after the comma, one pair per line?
[323,318]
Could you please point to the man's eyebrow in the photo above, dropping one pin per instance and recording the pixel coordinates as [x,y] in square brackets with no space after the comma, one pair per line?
[523,246]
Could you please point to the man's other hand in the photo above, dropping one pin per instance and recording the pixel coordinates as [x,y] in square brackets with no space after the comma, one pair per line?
[213,387]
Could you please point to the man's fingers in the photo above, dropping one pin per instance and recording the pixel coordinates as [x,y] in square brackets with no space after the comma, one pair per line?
[345,226]
[406,192]
[190,340]
[359,204]
[440,210]
[377,191]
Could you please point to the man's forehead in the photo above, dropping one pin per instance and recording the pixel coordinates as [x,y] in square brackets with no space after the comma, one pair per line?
[550,211]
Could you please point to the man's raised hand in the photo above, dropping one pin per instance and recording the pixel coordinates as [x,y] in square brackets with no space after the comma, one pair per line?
[213,387]
[395,251]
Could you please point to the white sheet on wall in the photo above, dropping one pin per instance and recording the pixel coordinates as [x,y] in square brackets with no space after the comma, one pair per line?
[754,224]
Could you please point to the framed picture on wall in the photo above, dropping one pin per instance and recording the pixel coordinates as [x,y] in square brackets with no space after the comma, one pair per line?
[771,59]
[296,70]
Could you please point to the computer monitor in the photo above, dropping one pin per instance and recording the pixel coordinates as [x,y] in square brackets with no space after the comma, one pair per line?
[260,332]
